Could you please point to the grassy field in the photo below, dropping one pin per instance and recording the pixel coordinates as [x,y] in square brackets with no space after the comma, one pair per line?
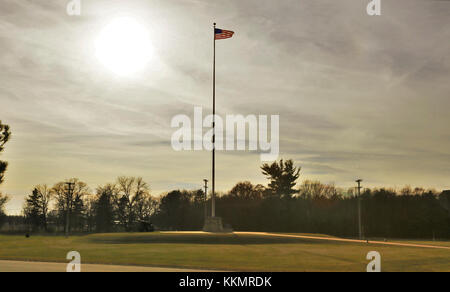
[242,252]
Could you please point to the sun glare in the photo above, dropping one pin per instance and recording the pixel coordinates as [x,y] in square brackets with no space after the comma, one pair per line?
[123,46]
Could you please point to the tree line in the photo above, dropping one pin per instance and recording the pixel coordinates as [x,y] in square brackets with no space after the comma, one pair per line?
[71,206]
[313,207]
[281,206]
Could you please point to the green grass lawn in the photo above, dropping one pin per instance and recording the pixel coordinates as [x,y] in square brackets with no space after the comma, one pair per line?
[223,252]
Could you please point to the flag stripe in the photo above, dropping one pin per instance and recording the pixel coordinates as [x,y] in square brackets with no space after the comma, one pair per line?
[221,34]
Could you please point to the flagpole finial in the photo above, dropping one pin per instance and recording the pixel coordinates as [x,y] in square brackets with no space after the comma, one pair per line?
[214,24]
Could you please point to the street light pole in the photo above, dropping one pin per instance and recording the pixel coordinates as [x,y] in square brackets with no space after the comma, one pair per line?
[69,201]
[205,198]
[359,208]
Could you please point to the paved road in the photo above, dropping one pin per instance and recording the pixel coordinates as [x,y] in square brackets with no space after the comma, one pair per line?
[20,266]
[345,240]
[322,238]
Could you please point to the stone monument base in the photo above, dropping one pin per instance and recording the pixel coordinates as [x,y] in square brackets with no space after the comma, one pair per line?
[213,224]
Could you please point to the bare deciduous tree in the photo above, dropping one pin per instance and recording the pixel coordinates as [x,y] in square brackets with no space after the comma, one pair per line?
[132,196]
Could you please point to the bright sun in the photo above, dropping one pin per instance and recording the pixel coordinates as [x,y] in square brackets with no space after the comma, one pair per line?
[123,46]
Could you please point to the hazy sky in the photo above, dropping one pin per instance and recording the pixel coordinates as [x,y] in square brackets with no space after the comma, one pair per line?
[358,96]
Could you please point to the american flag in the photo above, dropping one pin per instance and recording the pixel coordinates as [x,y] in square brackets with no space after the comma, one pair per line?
[223,34]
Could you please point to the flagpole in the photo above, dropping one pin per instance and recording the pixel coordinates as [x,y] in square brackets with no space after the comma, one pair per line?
[213,197]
